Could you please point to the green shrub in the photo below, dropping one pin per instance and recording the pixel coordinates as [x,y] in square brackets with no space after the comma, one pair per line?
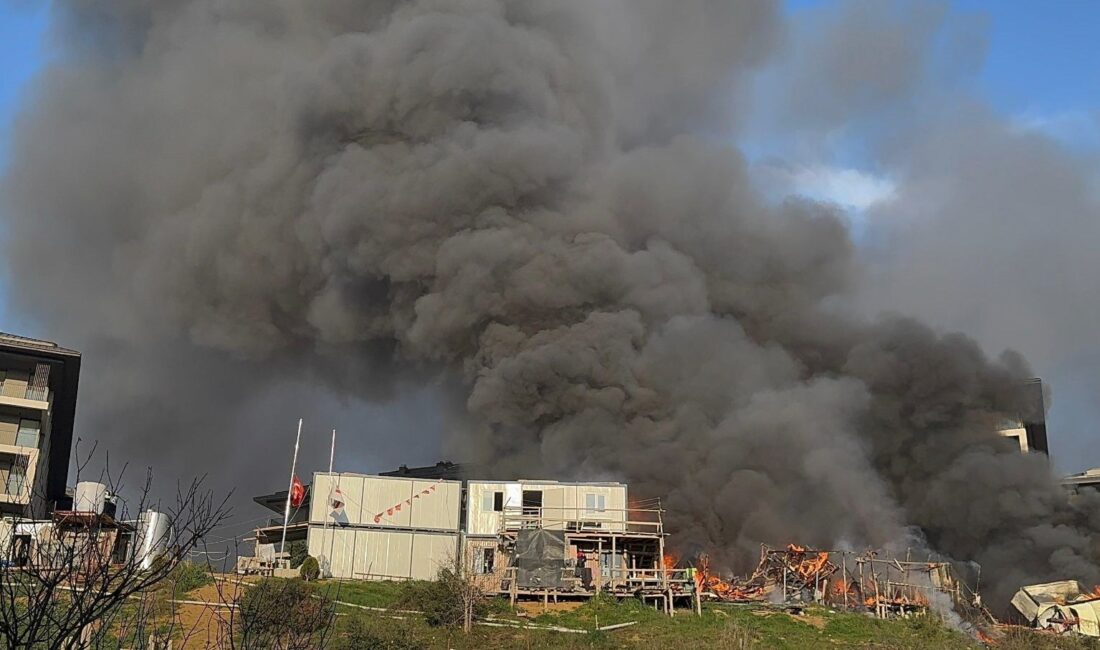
[276,612]
[188,576]
[369,633]
[298,551]
[310,569]
[441,600]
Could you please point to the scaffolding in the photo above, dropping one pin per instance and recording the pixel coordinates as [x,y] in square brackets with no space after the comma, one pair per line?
[619,552]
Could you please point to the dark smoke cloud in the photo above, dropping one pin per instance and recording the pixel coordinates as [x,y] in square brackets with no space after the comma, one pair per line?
[529,205]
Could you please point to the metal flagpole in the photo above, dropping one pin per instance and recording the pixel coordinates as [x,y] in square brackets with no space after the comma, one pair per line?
[332,451]
[290,489]
[324,529]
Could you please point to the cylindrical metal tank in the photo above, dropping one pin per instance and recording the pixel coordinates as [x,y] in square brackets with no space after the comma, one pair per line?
[154,530]
[89,496]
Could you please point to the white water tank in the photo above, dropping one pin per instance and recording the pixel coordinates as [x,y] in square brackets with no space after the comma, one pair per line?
[89,496]
[154,530]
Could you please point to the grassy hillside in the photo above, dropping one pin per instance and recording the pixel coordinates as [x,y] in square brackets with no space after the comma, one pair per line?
[720,626]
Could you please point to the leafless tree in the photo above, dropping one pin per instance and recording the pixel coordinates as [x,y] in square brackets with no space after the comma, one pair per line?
[77,581]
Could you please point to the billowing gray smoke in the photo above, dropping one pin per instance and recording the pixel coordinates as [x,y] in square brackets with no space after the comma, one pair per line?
[536,201]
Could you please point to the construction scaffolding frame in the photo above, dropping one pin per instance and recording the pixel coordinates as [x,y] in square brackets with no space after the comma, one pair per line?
[620,552]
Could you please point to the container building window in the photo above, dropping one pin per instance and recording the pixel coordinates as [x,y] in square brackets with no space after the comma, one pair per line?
[492,502]
[485,561]
[595,502]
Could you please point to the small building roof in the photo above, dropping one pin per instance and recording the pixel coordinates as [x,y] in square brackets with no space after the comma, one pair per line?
[444,469]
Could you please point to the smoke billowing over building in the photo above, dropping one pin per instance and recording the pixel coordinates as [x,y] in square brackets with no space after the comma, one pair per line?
[536,210]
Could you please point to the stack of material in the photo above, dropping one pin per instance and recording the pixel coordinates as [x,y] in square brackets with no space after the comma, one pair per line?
[798,573]
[1060,606]
[540,559]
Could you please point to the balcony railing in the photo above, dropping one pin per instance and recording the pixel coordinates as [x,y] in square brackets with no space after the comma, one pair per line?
[645,522]
[30,393]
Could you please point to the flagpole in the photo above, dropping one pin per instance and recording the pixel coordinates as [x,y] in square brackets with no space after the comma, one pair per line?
[290,488]
[332,451]
[324,528]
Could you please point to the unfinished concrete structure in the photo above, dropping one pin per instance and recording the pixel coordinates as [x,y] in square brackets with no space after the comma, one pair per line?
[1029,429]
[38,385]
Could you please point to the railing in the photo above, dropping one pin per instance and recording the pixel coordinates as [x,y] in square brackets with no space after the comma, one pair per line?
[32,393]
[579,520]
[678,581]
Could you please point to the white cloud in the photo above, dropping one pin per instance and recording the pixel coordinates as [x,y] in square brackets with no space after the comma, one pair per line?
[849,188]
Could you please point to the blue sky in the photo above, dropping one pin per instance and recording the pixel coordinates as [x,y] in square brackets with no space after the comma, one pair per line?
[22,25]
[1041,56]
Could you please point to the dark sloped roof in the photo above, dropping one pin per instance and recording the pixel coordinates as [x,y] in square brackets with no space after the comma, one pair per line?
[444,469]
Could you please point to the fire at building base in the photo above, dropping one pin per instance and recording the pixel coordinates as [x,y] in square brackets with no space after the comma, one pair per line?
[550,541]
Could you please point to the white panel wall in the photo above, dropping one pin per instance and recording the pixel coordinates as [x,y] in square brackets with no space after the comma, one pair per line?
[481,519]
[397,502]
[365,554]
[430,552]
[563,501]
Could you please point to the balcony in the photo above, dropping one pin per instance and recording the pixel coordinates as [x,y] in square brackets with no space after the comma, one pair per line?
[17,469]
[24,397]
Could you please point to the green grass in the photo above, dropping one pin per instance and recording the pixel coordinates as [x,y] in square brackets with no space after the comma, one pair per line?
[188,576]
[367,593]
[720,626]
[740,627]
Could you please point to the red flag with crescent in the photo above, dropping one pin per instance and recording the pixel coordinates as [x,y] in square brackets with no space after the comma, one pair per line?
[297,492]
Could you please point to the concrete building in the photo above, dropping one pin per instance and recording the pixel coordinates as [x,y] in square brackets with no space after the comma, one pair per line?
[1088,479]
[38,386]
[1029,428]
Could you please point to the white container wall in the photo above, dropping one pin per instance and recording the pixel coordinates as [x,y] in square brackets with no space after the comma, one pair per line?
[592,505]
[377,554]
[387,502]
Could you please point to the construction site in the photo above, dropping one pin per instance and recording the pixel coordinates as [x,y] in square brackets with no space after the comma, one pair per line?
[544,542]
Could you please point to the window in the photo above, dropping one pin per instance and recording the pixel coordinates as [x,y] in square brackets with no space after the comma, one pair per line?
[492,502]
[15,480]
[484,561]
[28,433]
[595,502]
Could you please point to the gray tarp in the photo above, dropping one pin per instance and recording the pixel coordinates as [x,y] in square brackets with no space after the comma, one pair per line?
[539,558]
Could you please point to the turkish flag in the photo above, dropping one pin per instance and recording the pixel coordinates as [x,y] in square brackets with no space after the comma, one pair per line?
[297,492]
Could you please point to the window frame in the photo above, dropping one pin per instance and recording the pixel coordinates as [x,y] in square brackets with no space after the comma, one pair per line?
[595,502]
[19,431]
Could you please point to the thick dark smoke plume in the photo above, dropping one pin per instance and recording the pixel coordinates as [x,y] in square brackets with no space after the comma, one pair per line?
[532,205]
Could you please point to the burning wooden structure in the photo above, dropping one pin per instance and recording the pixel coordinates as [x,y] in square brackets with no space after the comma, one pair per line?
[871,581]
[556,553]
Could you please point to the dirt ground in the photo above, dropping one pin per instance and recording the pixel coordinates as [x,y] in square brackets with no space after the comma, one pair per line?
[530,608]
[203,626]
